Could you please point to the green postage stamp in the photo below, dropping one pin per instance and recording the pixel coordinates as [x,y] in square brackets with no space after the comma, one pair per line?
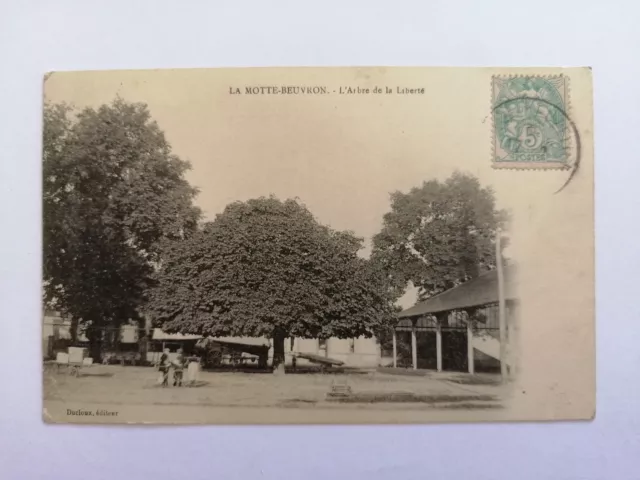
[530,123]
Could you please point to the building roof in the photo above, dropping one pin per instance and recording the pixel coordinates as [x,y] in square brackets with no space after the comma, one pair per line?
[482,290]
[250,341]
[158,334]
[256,341]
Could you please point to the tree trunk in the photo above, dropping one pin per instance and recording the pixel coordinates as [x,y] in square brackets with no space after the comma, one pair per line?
[74,330]
[143,345]
[95,344]
[146,332]
[278,352]
[263,359]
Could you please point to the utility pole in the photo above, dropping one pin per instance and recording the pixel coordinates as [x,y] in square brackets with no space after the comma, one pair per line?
[501,310]
[395,349]
[414,344]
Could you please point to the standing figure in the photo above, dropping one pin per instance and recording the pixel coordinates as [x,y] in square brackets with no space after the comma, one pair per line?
[163,366]
[178,369]
[193,370]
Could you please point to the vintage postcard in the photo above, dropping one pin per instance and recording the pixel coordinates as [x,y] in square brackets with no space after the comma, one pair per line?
[318,245]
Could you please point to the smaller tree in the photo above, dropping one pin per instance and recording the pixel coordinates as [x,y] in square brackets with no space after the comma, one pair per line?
[267,268]
[438,235]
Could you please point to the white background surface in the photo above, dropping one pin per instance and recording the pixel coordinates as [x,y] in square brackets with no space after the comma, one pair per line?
[38,36]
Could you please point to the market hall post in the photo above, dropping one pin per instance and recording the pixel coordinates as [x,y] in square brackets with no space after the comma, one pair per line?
[439,320]
[470,357]
[414,345]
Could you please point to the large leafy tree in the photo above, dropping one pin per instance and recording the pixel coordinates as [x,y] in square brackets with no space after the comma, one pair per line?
[438,235]
[267,268]
[113,193]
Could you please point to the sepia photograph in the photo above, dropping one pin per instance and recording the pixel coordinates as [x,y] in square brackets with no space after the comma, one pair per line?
[318,245]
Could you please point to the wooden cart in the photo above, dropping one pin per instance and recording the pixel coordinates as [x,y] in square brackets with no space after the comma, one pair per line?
[75,359]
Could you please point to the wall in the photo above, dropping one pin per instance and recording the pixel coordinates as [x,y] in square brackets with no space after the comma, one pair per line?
[364,354]
[55,326]
[60,328]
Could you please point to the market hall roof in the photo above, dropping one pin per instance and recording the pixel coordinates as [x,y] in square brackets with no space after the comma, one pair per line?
[482,290]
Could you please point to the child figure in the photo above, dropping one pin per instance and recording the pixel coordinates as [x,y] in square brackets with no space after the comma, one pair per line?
[163,366]
[178,369]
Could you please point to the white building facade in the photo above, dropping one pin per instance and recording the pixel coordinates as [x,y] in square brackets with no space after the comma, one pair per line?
[359,352]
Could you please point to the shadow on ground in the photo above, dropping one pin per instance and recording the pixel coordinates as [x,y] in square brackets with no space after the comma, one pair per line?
[477,380]
[300,370]
[95,374]
[197,384]
[406,397]
[472,406]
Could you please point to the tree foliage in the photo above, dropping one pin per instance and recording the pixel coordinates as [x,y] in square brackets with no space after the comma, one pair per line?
[267,268]
[113,193]
[438,235]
